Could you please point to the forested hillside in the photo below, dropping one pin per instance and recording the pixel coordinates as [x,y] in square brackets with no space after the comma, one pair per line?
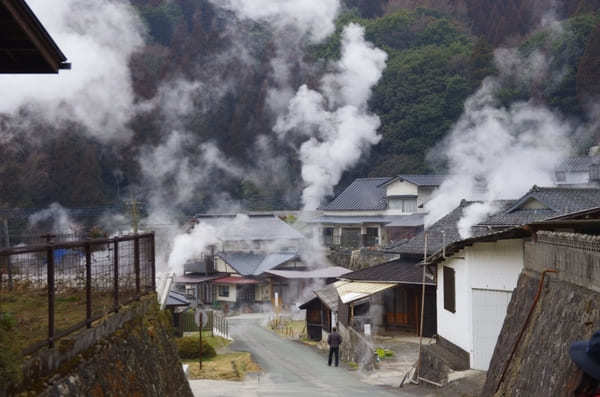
[438,56]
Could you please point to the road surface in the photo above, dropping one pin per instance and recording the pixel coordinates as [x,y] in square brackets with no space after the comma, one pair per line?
[289,369]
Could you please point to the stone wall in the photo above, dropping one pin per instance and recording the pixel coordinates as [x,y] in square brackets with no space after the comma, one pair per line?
[134,356]
[357,348]
[568,309]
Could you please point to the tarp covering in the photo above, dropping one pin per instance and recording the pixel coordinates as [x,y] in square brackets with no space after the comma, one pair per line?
[349,292]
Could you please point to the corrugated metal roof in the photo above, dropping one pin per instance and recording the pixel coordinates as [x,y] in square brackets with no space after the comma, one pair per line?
[177,299]
[355,290]
[197,278]
[251,263]
[249,227]
[326,272]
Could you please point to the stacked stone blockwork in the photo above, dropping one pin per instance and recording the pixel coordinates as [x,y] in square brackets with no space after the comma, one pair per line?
[568,309]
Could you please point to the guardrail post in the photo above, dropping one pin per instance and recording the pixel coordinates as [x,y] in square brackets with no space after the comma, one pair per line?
[88,285]
[153,261]
[50,281]
[136,264]
[116,276]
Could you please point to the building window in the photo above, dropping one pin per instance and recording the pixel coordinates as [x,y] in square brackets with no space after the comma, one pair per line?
[405,204]
[224,291]
[449,290]
[561,176]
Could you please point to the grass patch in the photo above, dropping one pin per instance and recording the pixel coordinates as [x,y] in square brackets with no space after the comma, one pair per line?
[289,328]
[29,308]
[231,366]
[216,342]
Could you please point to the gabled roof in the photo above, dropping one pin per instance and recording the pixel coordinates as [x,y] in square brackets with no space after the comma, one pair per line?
[254,264]
[419,179]
[399,271]
[198,278]
[329,295]
[362,194]
[444,230]
[556,200]
[232,227]
[578,164]
[26,46]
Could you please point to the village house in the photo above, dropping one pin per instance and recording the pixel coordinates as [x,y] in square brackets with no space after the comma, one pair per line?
[376,211]
[579,171]
[476,276]
[255,261]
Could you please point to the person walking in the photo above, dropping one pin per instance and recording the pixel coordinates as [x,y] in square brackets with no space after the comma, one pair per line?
[334,340]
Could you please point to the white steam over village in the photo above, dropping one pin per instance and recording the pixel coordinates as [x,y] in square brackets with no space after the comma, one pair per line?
[278,197]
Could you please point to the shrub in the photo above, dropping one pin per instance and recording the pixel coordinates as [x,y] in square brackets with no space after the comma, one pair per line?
[189,348]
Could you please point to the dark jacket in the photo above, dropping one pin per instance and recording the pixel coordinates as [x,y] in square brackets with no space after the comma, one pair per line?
[334,339]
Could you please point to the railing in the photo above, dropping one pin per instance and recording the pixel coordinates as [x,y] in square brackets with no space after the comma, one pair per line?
[58,288]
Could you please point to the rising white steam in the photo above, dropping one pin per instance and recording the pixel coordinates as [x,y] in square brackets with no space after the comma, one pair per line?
[314,18]
[337,122]
[98,38]
[57,216]
[191,245]
[497,153]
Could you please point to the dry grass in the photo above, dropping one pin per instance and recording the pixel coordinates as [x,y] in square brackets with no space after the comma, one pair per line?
[29,308]
[231,366]
[290,328]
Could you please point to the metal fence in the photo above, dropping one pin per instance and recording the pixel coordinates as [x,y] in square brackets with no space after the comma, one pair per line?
[54,289]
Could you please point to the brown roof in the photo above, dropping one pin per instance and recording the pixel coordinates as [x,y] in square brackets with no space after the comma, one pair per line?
[398,271]
[25,45]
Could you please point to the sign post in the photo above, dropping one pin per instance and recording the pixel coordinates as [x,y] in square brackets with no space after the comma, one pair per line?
[198,318]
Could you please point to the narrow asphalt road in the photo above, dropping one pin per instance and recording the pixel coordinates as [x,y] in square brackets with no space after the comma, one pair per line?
[289,369]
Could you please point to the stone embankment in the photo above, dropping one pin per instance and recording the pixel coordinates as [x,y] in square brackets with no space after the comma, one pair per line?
[131,353]
[567,310]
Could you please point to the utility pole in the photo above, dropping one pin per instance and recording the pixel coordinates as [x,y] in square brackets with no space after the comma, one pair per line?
[200,335]
[134,215]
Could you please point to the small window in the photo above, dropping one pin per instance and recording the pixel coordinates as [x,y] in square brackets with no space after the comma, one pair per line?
[405,204]
[449,290]
[561,176]
[224,291]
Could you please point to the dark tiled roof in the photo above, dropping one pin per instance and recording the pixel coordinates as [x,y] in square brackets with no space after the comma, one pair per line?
[558,200]
[401,271]
[420,179]
[254,264]
[578,164]
[445,229]
[362,194]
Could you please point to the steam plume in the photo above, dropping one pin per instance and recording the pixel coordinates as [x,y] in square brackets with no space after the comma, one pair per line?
[337,123]
[98,37]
